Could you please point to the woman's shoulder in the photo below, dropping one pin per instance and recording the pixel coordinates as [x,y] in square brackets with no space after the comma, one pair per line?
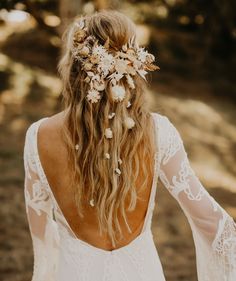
[162,120]
[166,129]
[48,123]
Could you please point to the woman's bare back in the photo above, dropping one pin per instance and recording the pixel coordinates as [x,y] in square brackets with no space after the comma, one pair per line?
[53,156]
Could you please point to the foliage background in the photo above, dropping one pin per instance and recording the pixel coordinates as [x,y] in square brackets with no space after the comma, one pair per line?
[194,42]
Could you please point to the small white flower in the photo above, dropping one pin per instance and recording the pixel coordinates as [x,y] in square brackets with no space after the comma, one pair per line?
[120,161]
[77,147]
[110,116]
[129,122]
[99,51]
[93,96]
[118,171]
[107,155]
[108,133]
[118,93]
[128,104]
[91,202]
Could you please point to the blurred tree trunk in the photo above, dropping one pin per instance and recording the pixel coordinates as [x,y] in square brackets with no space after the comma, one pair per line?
[101,4]
[68,10]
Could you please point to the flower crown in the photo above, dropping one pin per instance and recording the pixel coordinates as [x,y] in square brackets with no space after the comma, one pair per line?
[103,67]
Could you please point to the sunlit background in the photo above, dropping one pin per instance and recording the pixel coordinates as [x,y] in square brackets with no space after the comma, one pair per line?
[194,43]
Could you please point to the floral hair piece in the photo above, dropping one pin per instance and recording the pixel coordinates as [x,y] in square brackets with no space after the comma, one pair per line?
[103,67]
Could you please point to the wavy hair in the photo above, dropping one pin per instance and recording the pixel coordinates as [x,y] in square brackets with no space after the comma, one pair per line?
[85,122]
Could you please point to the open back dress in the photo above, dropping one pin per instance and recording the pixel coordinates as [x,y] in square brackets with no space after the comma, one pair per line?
[59,255]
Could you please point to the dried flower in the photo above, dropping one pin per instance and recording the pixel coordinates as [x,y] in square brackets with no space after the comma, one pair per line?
[93,96]
[118,171]
[107,155]
[129,123]
[118,93]
[119,161]
[77,147]
[79,35]
[128,104]
[110,116]
[91,202]
[108,133]
[84,51]
[94,59]
[88,66]
[121,66]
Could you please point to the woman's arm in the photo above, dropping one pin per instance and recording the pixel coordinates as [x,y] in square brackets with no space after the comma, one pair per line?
[214,230]
[40,215]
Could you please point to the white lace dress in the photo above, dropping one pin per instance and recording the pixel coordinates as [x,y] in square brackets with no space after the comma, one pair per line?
[60,256]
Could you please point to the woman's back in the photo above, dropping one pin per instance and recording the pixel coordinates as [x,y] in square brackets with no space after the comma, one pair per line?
[54,156]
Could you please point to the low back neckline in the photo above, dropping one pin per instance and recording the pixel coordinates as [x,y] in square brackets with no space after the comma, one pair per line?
[151,199]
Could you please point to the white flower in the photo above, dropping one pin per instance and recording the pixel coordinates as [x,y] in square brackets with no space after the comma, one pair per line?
[106,64]
[77,147]
[142,54]
[118,171]
[121,66]
[107,155]
[93,96]
[108,133]
[91,202]
[110,116]
[129,122]
[128,104]
[118,93]
[99,51]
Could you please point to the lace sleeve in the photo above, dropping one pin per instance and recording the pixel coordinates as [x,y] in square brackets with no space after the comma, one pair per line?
[40,216]
[213,229]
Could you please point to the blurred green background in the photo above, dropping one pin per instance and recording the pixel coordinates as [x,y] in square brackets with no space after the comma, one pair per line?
[194,43]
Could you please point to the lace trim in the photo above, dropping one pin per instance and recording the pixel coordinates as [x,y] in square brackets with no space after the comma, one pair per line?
[171,143]
[225,243]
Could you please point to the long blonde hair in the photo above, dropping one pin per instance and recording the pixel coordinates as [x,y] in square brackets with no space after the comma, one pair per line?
[93,175]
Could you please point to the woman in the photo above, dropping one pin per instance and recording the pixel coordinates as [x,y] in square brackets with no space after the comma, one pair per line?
[91,170]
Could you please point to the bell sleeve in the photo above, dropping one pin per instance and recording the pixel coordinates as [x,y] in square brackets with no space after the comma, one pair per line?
[39,211]
[213,229]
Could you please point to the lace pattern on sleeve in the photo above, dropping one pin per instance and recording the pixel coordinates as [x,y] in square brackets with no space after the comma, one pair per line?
[39,212]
